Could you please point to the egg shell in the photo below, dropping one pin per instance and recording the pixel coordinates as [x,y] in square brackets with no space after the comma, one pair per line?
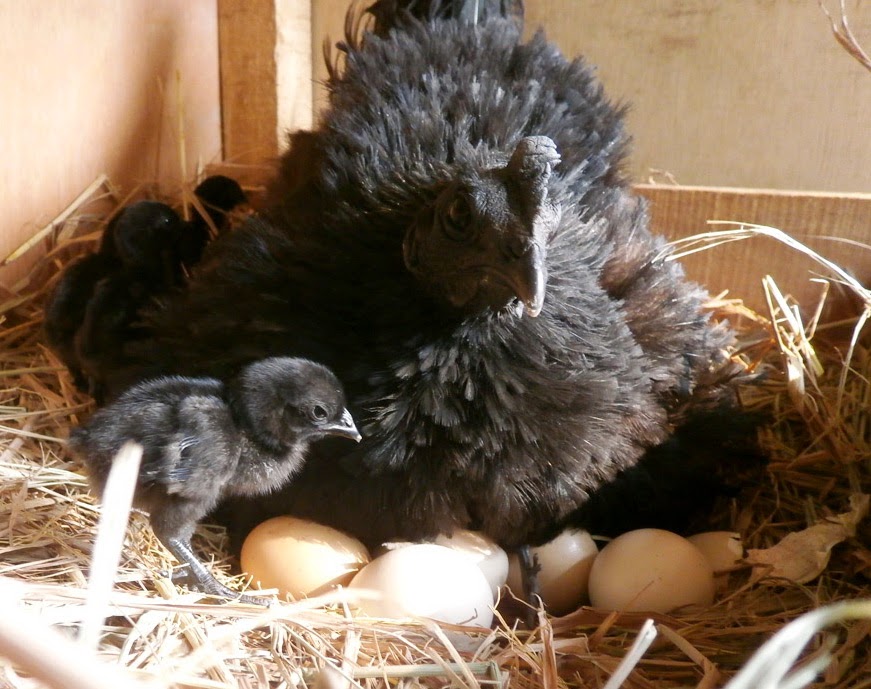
[723,549]
[650,570]
[426,580]
[301,558]
[565,563]
[483,551]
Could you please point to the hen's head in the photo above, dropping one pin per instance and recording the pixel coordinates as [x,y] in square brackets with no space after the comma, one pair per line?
[483,242]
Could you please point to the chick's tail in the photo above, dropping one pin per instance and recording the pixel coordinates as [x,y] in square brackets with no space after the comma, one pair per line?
[389,14]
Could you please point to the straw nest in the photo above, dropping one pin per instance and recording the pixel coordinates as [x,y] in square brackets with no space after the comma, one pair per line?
[802,525]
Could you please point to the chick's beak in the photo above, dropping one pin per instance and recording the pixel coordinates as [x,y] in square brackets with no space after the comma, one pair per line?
[344,427]
[527,276]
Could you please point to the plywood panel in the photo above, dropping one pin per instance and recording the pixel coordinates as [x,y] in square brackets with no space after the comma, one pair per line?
[90,87]
[747,94]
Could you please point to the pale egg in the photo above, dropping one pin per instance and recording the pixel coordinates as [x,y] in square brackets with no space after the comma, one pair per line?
[426,580]
[481,550]
[650,570]
[565,571]
[301,558]
[723,549]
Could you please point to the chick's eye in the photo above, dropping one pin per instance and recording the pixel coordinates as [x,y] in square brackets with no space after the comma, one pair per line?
[458,218]
[318,413]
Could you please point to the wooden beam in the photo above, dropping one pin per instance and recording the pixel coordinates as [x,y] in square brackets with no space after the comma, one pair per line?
[265,52]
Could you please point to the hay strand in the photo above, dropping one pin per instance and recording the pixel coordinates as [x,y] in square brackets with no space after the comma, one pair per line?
[111,528]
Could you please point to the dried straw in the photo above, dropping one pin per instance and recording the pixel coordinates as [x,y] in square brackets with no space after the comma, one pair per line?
[810,502]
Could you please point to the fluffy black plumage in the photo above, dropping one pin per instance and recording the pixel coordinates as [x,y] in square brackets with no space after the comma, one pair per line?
[136,244]
[145,252]
[218,195]
[458,242]
[204,440]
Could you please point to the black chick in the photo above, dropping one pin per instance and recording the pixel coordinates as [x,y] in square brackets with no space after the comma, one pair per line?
[204,440]
[459,243]
[218,195]
[135,242]
[145,252]
[145,238]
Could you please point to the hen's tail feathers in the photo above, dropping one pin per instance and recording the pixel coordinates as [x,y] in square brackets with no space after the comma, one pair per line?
[392,13]
[383,16]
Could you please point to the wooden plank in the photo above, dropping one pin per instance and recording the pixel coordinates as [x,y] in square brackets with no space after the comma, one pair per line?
[92,88]
[249,109]
[265,48]
[741,94]
[815,219]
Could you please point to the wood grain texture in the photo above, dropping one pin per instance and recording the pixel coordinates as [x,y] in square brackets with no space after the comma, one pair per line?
[821,221]
[266,75]
[249,99]
[741,94]
[90,87]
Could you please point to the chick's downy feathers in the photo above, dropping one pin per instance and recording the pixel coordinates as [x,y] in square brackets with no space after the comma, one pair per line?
[204,440]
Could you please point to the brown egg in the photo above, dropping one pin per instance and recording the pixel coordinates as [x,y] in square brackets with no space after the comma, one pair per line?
[301,558]
[650,570]
[565,570]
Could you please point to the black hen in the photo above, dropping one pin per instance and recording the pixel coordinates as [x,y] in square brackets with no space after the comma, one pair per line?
[458,242]
[203,440]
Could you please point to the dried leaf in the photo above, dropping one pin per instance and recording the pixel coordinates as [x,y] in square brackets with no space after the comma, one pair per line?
[803,555]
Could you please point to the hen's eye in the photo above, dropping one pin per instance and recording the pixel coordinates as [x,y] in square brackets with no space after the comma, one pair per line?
[318,413]
[458,218]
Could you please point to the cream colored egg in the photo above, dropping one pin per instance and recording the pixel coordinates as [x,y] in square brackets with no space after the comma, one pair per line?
[723,549]
[565,570]
[481,550]
[650,570]
[301,558]
[426,580]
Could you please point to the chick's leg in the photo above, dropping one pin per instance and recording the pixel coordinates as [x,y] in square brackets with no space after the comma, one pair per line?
[181,549]
[173,524]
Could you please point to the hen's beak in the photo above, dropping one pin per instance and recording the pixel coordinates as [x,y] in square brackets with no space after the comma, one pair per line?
[527,276]
[344,427]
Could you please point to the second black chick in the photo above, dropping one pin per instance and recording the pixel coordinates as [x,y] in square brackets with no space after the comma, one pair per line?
[205,440]
[131,242]
[144,239]
[144,252]
[218,195]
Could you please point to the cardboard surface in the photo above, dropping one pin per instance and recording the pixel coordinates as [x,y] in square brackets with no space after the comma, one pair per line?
[834,225]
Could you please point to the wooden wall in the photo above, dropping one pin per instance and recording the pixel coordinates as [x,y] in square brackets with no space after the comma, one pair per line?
[754,93]
[89,87]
